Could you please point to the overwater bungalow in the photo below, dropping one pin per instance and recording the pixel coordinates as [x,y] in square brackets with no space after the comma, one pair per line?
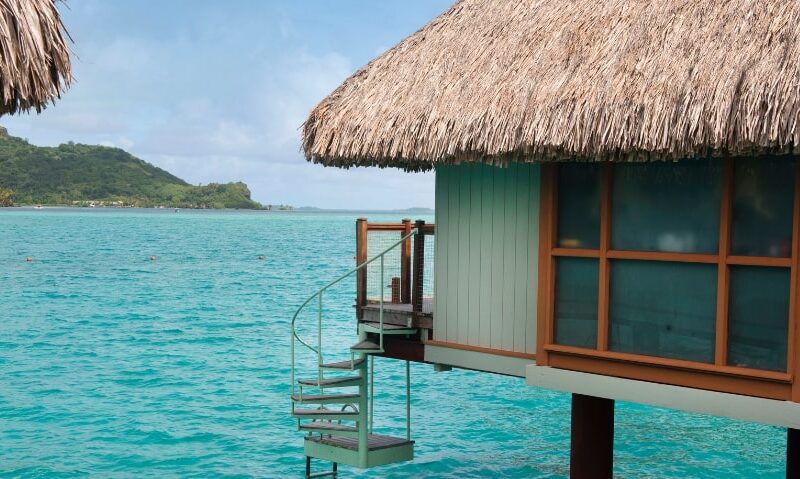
[617,216]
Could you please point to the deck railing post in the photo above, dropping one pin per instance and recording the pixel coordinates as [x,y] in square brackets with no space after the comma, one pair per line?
[361,274]
[405,264]
[419,266]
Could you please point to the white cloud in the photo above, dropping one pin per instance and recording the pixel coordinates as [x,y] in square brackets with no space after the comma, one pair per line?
[215,94]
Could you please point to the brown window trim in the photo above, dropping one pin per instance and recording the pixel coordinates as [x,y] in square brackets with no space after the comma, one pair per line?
[717,376]
[641,371]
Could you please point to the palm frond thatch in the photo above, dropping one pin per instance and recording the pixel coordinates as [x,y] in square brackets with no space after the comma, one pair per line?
[35,66]
[537,80]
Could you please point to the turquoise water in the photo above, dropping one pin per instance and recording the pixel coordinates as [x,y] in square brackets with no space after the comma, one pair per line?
[112,365]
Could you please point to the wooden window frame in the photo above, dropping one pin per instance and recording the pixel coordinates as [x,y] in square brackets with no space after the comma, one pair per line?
[717,376]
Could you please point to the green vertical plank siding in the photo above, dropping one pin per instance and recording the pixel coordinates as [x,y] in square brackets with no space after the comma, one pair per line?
[498,214]
[464,227]
[487,236]
[451,250]
[474,272]
[533,261]
[509,259]
[485,285]
[440,273]
[521,283]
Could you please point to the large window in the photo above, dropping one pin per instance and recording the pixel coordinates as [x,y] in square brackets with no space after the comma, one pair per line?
[673,263]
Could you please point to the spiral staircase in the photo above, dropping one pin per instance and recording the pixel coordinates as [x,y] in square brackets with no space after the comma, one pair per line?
[334,405]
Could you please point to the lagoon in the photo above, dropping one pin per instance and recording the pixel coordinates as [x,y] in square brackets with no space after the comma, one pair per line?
[114,365]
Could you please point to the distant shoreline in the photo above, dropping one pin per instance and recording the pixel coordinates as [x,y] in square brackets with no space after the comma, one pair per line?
[210,210]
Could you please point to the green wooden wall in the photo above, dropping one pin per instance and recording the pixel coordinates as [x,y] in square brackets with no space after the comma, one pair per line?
[487,242]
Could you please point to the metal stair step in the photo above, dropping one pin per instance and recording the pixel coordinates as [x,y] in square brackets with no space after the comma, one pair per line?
[375,442]
[366,346]
[326,398]
[330,428]
[349,365]
[372,327]
[325,414]
[332,382]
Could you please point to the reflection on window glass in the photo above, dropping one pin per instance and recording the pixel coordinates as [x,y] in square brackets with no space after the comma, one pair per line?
[667,206]
[758,325]
[762,206]
[663,309]
[579,205]
[576,302]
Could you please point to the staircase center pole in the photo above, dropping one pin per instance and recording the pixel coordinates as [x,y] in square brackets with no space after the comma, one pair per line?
[408,400]
[371,393]
[363,424]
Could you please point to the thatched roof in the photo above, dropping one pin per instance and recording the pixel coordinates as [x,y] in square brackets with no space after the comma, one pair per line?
[493,80]
[34,61]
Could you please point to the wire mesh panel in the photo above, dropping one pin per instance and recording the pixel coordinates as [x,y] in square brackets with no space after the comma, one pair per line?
[377,242]
[422,269]
[427,272]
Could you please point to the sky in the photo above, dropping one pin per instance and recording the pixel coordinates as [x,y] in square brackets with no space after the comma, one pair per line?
[216,91]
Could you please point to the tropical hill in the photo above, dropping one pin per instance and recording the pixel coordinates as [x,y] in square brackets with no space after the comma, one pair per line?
[82,175]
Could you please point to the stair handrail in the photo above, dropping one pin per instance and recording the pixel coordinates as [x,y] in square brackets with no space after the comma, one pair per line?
[318,294]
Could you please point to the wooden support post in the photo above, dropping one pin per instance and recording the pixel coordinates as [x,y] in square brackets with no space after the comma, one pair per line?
[592,443]
[793,454]
[361,274]
[419,267]
[405,264]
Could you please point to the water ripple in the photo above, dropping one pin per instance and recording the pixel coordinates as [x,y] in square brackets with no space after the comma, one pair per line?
[115,366]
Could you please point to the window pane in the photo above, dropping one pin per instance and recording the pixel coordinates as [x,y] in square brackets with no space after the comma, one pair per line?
[762,206]
[758,325]
[576,302]
[667,206]
[579,205]
[663,309]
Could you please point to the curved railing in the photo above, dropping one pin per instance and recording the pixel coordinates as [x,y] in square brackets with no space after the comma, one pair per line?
[318,295]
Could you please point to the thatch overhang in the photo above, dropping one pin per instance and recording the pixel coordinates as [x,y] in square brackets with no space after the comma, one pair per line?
[35,66]
[540,80]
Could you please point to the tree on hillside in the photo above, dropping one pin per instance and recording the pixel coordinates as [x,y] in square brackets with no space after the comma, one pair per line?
[6,197]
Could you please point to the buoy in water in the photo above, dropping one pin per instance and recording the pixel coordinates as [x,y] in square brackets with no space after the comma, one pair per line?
[261,257]
[153,258]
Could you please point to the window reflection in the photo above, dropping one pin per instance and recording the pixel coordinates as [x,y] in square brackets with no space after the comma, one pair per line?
[576,302]
[579,205]
[664,206]
[762,206]
[663,309]
[668,309]
[759,317]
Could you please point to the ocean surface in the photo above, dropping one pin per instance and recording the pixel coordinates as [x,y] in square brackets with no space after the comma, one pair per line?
[116,366]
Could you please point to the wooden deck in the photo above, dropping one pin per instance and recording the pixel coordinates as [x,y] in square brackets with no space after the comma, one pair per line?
[400,314]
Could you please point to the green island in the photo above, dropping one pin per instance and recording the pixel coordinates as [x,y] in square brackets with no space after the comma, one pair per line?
[74,174]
